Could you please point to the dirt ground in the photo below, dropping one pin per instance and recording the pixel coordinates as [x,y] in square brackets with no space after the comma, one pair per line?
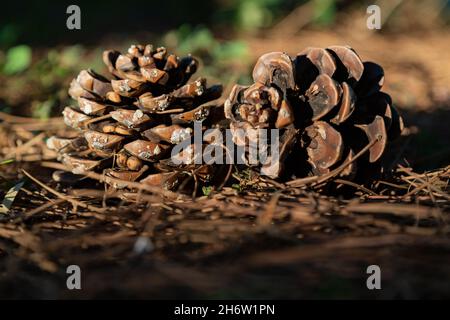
[264,242]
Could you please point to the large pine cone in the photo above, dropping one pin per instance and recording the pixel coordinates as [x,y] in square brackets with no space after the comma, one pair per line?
[129,124]
[328,106]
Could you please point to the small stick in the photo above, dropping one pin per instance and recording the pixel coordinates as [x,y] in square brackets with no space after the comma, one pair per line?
[357,186]
[43,207]
[73,201]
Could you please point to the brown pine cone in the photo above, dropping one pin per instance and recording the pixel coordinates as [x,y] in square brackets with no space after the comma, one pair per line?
[328,106]
[128,124]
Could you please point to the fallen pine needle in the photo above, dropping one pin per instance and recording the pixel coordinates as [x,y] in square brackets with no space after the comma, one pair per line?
[73,201]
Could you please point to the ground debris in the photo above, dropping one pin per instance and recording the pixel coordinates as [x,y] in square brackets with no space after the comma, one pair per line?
[227,241]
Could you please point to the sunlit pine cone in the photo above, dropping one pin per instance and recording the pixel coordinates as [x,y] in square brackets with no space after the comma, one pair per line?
[328,106]
[128,123]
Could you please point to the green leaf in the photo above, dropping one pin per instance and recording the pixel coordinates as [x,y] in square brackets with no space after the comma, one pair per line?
[206,190]
[8,161]
[17,59]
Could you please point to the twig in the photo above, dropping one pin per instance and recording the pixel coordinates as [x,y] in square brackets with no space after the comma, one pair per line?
[73,201]
[357,186]
[43,207]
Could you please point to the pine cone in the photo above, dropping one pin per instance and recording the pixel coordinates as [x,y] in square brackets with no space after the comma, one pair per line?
[328,106]
[129,124]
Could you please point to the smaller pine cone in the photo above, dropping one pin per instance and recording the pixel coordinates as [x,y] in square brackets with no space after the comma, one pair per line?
[128,123]
[328,107]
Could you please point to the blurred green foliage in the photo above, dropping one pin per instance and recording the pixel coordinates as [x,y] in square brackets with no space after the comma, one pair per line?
[324,12]
[17,59]
[201,41]
[40,84]
[252,15]
[220,59]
